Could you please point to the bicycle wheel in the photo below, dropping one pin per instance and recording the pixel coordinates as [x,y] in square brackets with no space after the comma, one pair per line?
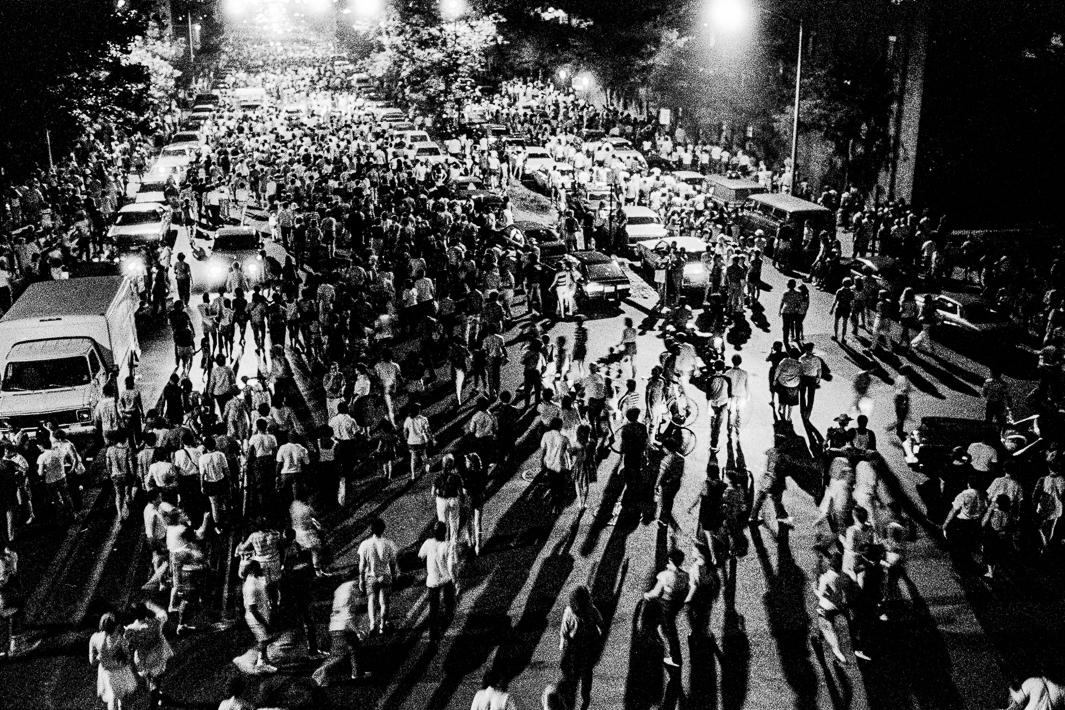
[687,441]
[683,409]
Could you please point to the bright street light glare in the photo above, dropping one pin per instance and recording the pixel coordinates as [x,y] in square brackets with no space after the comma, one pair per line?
[730,15]
[236,8]
[452,9]
[367,9]
[318,7]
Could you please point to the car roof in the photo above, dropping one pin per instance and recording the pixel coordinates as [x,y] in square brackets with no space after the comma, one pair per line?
[787,202]
[590,256]
[143,207]
[688,244]
[235,231]
[638,211]
[683,174]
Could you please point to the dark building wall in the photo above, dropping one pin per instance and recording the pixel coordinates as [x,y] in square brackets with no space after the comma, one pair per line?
[992,146]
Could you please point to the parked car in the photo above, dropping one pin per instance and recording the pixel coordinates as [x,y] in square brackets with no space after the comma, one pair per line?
[642,223]
[536,158]
[659,162]
[601,277]
[541,177]
[632,158]
[586,199]
[652,256]
[969,316]
[689,182]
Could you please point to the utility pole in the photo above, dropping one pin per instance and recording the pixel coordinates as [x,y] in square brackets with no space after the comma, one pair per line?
[192,53]
[795,117]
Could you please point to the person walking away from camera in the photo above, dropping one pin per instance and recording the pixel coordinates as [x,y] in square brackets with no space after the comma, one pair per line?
[439,556]
[378,568]
[841,308]
[579,637]
[670,592]
[811,366]
[110,653]
[345,641]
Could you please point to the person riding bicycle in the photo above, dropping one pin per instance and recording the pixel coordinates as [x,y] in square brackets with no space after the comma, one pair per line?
[672,434]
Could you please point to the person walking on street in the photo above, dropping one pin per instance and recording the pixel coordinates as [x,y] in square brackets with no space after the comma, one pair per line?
[377,570]
[903,392]
[345,641]
[670,478]
[788,377]
[996,396]
[790,307]
[419,437]
[110,653]
[718,396]
[1036,693]
[841,307]
[493,694]
[811,367]
[258,614]
[579,637]
[183,278]
[669,593]
[741,395]
[439,556]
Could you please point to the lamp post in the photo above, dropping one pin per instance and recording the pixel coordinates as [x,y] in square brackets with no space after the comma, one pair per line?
[192,53]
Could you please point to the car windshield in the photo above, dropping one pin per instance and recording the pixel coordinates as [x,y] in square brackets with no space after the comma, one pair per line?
[429,151]
[36,375]
[186,137]
[541,235]
[644,219]
[534,153]
[603,196]
[151,187]
[550,249]
[236,241]
[174,153]
[126,219]
[604,270]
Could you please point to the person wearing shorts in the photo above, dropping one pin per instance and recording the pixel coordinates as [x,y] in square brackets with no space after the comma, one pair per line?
[377,569]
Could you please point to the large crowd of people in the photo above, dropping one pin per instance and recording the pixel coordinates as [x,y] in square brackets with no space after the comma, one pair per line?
[383,278]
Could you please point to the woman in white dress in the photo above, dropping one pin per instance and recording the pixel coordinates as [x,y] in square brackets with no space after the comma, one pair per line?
[110,652]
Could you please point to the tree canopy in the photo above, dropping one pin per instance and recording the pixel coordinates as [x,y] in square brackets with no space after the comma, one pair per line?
[67,65]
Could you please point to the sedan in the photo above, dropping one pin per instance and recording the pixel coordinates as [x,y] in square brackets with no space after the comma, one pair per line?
[601,278]
[428,153]
[588,199]
[141,224]
[654,254]
[967,315]
[632,159]
[536,158]
[542,176]
[235,245]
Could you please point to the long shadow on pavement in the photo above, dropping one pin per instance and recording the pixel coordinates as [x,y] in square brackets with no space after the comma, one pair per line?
[912,668]
[788,620]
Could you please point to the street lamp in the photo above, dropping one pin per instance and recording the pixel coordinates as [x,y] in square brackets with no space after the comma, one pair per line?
[452,10]
[733,15]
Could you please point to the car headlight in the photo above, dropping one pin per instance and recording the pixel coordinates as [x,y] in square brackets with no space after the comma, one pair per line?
[594,288]
[5,424]
[84,415]
[694,271]
[217,270]
[252,267]
[133,266]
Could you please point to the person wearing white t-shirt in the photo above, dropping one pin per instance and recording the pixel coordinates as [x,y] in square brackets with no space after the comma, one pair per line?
[439,556]
[377,570]
[291,459]
[982,456]
[419,437]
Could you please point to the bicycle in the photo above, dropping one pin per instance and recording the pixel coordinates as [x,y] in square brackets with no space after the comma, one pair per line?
[682,408]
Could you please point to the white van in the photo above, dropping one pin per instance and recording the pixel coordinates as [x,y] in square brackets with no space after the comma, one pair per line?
[60,343]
